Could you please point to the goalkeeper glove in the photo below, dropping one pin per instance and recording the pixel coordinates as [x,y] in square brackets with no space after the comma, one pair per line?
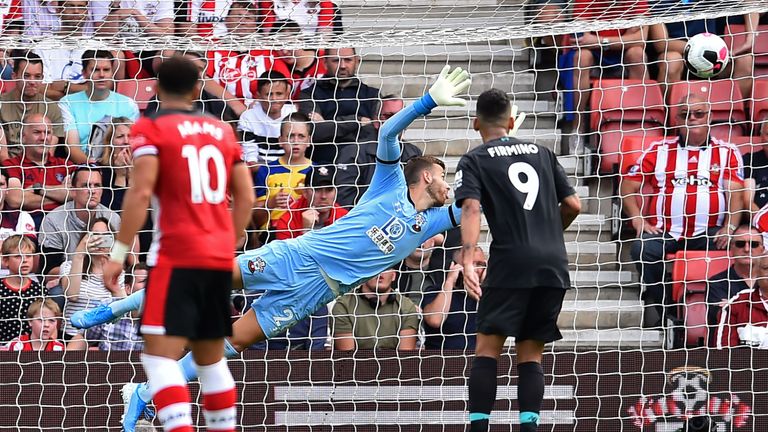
[447,86]
[519,119]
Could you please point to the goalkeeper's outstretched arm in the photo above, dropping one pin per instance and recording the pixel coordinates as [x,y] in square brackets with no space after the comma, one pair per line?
[442,93]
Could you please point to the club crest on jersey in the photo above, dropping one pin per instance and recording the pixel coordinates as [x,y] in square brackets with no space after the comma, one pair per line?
[419,221]
[715,167]
[257,265]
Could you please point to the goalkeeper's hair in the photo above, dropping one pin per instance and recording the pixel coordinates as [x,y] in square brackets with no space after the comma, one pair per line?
[415,166]
[493,106]
[177,76]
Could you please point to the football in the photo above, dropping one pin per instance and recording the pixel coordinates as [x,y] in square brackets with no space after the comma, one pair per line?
[706,55]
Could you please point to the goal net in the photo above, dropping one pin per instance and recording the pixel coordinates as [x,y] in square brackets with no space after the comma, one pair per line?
[645,346]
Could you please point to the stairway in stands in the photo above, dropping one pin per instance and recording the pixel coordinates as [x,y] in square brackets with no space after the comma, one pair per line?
[604,311]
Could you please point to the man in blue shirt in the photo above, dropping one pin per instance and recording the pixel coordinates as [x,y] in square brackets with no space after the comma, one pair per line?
[400,210]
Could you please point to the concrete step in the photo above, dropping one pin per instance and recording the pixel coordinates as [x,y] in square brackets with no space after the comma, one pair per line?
[544,122]
[447,143]
[412,86]
[630,293]
[408,17]
[628,338]
[601,278]
[609,339]
[582,255]
[532,108]
[430,59]
[600,314]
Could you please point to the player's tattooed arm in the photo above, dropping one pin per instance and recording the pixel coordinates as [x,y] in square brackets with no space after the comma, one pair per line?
[470,233]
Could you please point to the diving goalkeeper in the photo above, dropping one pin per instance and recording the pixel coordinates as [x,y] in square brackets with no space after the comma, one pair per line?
[400,210]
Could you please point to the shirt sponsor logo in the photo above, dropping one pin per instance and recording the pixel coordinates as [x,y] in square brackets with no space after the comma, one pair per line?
[458,179]
[692,181]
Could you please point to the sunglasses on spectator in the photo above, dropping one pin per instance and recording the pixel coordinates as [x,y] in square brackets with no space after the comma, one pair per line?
[741,244]
[698,114]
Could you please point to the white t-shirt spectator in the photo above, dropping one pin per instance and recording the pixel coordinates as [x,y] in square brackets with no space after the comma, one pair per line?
[153,10]
[62,65]
[41,18]
[258,123]
[92,293]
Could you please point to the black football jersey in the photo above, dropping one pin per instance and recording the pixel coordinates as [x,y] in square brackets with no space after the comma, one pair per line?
[520,186]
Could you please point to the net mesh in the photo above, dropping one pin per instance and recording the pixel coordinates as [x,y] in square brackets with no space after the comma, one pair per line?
[620,366]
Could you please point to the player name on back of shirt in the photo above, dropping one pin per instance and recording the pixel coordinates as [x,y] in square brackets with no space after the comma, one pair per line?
[512,149]
[187,128]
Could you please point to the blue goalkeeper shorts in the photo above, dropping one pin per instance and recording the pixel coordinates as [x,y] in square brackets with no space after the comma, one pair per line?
[292,283]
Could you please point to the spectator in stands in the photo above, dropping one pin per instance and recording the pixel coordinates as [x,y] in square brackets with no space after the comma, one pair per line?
[214,99]
[116,161]
[43,18]
[81,276]
[756,172]
[63,227]
[37,180]
[132,18]
[316,208]
[312,16]
[743,320]
[745,248]
[277,182]
[708,180]
[44,316]
[618,50]
[96,104]
[743,63]
[415,278]
[449,313]
[13,221]
[342,100]
[374,316]
[27,97]
[238,71]
[548,12]
[260,125]
[204,18]
[19,289]
[122,335]
[358,162]
[304,64]
[11,20]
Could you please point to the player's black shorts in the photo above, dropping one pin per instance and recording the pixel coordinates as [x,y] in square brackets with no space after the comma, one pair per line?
[193,303]
[522,313]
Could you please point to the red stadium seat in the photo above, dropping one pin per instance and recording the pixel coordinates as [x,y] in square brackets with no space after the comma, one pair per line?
[746,144]
[759,102]
[692,269]
[725,99]
[694,318]
[623,108]
[6,86]
[142,91]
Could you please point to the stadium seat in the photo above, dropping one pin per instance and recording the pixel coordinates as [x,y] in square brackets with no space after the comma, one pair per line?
[725,98]
[746,144]
[759,103]
[622,108]
[694,319]
[692,269]
[6,86]
[142,91]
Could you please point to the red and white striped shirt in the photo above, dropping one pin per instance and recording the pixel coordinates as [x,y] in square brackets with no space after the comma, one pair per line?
[208,15]
[239,72]
[688,184]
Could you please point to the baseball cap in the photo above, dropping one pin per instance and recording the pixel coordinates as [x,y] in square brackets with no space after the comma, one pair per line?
[320,176]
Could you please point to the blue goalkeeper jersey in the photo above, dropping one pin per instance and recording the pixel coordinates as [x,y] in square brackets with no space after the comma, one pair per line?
[384,227]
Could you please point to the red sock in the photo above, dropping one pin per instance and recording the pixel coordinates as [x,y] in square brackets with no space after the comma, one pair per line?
[170,393]
[219,397]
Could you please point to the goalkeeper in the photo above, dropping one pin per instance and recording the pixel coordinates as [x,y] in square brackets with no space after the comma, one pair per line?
[401,209]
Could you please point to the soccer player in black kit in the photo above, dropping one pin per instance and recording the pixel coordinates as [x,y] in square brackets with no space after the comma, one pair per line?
[526,197]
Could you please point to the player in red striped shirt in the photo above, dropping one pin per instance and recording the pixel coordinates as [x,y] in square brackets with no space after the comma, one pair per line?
[189,163]
[691,204]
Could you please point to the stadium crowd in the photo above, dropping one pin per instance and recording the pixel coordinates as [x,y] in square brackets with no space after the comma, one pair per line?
[308,127]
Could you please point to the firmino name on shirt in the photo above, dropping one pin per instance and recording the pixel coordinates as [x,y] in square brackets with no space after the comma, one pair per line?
[188,128]
[511,150]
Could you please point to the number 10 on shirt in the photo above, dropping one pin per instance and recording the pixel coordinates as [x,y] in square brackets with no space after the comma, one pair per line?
[198,162]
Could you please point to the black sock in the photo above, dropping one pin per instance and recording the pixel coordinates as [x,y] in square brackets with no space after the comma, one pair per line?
[530,393]
[482,392]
